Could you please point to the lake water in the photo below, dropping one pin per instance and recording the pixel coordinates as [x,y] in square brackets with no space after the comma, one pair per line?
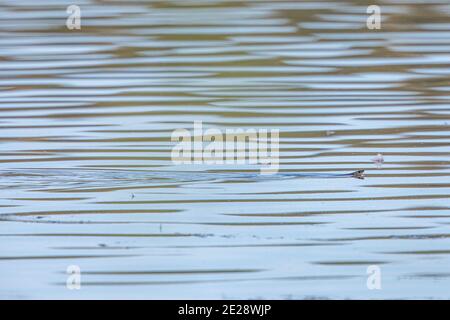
[80,110]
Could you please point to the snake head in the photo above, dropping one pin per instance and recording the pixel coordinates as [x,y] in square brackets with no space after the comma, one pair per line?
[359,174]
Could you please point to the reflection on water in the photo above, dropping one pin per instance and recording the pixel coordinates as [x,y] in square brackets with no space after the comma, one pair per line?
[81,109]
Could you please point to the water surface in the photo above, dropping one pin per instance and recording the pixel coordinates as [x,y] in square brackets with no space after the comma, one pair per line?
[84,113]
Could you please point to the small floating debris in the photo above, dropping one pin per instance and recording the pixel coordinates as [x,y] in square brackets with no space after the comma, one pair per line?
[330,133]
[228,236]
[378,160]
